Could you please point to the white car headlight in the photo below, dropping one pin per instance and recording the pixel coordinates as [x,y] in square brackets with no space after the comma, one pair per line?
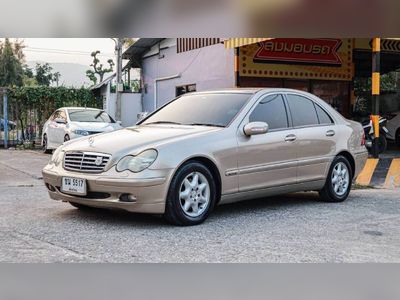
[56,158]
[81,132]
[138,162]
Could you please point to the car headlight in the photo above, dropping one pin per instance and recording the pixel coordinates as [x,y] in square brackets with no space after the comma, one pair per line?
[81,132]
[137,163]
[56,158]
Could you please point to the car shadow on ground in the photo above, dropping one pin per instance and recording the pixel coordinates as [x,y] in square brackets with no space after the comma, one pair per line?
[233,210]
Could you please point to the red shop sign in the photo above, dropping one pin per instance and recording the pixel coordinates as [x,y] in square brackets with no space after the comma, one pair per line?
[299,51]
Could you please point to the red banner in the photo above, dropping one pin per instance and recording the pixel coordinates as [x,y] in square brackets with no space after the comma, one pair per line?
[299,51]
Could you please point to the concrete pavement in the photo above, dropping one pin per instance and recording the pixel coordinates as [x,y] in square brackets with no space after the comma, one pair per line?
[294,228]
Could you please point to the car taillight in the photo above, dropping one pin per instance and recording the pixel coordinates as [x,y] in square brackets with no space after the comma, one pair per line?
[363,139]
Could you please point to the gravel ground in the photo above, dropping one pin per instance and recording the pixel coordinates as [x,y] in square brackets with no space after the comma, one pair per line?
[292,228]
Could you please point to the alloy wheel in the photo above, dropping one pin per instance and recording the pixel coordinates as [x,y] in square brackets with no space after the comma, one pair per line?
[340,179]
[194,194]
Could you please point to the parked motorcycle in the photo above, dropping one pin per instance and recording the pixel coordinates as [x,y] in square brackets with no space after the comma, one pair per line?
[369,134]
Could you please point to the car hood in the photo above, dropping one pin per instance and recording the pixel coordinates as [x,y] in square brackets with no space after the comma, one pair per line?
[95,126]
[134,139]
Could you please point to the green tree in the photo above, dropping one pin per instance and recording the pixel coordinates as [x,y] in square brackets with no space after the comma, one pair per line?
[28,77]
[44,75]
[11,71]
[56,77]
[98,68]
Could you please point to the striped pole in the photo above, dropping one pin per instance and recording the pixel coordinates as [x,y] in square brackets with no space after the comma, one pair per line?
[376,58]
[236,67]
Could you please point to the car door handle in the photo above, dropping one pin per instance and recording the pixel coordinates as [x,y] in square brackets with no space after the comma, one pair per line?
[290,138]
[330,133]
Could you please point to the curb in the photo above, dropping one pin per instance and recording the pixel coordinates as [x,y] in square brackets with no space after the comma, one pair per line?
[383,173]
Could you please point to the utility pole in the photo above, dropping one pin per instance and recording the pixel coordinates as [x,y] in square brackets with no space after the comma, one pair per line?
[376,52]
[119,89]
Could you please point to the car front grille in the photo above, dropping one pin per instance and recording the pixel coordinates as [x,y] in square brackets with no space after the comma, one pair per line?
[88,162]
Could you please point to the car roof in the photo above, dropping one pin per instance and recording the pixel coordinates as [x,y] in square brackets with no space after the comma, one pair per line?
[248,91]
[77,107]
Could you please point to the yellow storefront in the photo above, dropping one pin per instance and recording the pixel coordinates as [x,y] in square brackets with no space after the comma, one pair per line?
[325,67]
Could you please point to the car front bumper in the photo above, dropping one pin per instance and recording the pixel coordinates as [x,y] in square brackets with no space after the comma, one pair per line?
[104,190]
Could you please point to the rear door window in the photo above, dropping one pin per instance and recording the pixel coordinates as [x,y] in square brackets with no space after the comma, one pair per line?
[302,110]
[323,117]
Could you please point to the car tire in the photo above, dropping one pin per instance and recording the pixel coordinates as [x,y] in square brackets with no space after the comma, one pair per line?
[66,138]
[397,137]
[44,147]
[337,186]
[191,196]
[382,143]
[80,206]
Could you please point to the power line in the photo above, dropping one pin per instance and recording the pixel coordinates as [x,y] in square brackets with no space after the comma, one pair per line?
[61,51]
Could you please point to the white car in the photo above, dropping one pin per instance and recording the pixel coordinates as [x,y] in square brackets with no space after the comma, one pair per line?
[69,123]
[393,126]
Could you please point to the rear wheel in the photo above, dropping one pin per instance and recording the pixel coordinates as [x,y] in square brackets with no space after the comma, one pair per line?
[44,145]
[338,182]
[191,196]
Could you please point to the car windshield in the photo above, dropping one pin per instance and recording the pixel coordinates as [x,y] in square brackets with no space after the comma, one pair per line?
[89,115]
[217,109]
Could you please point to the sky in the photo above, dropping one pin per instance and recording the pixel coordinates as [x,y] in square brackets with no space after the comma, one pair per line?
[68,50]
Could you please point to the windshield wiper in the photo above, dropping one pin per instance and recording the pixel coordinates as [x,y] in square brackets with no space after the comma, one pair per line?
[163,122]
[99,114]
[205,124]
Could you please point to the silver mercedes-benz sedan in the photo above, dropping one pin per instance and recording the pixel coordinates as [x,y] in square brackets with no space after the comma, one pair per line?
[209,148]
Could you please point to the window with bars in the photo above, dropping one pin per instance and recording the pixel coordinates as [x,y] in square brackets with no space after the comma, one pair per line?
[183,89]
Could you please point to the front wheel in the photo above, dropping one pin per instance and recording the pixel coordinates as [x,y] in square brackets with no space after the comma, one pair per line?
[191,196]
[44,145]
[338,182]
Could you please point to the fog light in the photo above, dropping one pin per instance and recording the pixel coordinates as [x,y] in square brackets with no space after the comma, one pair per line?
[127,198]
[50,187]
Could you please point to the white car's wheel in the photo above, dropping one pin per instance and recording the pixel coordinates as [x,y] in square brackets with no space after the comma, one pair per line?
[44,145]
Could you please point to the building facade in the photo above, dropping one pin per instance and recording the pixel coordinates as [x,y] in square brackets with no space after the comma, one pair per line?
[325,67]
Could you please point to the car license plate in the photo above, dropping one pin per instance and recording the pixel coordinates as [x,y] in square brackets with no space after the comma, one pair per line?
[72,185]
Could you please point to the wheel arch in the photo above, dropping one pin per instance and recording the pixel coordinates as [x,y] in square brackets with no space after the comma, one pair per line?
[351,160]
[211,165]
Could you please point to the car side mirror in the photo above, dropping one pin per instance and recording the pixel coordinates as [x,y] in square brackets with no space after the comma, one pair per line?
[60,121]
[255,128]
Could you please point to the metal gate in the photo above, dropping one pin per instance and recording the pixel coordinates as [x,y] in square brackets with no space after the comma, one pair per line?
[22,125]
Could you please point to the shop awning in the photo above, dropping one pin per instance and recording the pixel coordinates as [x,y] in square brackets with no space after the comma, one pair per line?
[238,42]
